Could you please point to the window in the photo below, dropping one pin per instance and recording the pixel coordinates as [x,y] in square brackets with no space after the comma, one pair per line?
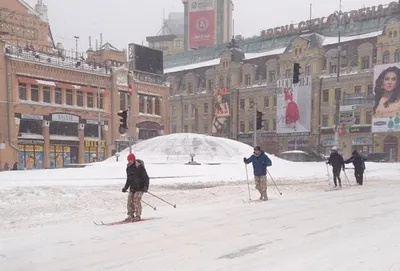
[325,121]
[288,73]
[251,103]
[368,118]
[275,101]
[274,125]
[205,108]
[63,128]
[357,118]
[157,105]
[357,89]
[307,70]
[370,90]
[241,103]
[174,113]
[365,62]
[266,102]
[242,127]
[28,126]
[190,87]
[221,82]
[266,125]
[332,68]
[150,105]
[186,128]
[79,98]
[205,128]
[58,96]
[68,96]
[397,56]
[186,110]
[35,93]
[271,76]
[386,57]
[247,80]
[100,101]
[22,91]
[210,84]
[325,96]
[141,103]
[193,113]
[92,130]
[89,97]
[251,126]
[46,95]
[229,81]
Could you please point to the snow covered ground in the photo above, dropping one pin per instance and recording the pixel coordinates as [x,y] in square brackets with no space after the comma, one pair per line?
[47,216]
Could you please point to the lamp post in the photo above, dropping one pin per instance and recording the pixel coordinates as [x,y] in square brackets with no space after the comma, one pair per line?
[339,16]
[98,123]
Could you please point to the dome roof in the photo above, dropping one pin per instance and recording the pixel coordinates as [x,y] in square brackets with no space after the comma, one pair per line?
[180,146]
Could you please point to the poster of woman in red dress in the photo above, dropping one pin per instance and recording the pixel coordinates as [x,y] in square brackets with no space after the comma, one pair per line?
[292,110]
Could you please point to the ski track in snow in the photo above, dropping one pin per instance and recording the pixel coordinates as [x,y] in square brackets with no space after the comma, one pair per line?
[50,228]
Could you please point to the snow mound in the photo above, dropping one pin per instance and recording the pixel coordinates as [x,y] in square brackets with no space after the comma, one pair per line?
[178,148]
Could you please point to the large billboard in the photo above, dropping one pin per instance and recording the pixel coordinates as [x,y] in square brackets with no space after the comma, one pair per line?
[221,118]
[386,110]
[293,112]
[201,23]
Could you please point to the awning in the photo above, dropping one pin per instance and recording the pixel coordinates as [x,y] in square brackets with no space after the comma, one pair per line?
[27,80]
[64,85]
[45,83]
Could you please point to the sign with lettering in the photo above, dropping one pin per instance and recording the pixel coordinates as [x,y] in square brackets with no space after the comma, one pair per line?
[94,122]
[93,144]
[360,129]
[31,116]
[30,141]
[122,80]
[65,118]
[333,20]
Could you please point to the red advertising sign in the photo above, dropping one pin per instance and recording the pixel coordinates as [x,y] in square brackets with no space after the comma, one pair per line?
[201,23]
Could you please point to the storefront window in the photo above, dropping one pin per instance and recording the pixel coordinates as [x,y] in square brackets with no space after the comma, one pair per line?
[91,130]
[91,151]
[68,97]
[89,97]
[29,126]
[34,93]
[22,91]
[63,155]
[58,96]
[30,156]
[79,98]
[146,134]
[63,128]
[141,104]
[158,107]
[149,105]
[46,95]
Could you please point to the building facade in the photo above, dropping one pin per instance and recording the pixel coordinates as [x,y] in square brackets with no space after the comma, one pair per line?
[219,96]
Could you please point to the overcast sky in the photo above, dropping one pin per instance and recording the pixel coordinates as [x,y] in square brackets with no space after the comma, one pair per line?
[126,21]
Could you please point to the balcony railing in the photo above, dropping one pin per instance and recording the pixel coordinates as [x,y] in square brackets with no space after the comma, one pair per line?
[358,99]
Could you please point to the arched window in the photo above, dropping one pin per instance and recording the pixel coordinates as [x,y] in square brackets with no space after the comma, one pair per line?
[386,57]
[397,56]
[390,34]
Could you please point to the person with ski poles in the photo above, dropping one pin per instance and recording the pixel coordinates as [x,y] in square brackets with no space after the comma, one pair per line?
[359,166]
[137,181]
[337,162]
[260,163]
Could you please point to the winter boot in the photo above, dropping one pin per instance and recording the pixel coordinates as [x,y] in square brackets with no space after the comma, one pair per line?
[129,219]
[136,219]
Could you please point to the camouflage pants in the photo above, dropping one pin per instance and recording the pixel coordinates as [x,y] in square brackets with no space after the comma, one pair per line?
[261,185]
[134,204]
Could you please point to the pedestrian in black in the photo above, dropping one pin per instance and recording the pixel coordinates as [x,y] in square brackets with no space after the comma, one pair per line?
[359,166]
[337,162]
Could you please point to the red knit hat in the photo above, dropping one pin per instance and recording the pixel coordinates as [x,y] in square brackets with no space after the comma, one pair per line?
[131,157]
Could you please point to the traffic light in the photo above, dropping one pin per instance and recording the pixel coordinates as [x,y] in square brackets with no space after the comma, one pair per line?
[259,120]
[296,73]
[123,126]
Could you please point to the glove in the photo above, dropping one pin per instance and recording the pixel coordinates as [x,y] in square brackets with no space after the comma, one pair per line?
[124,190]
[244,159]
[145,190]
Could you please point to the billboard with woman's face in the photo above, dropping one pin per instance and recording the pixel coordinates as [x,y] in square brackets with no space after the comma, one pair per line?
[386,110]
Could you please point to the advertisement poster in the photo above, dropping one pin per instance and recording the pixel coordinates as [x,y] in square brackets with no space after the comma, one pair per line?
[201,23]
[386,110]
[60,156]
[294,107]
[91,150]
[30,157]
[221,119]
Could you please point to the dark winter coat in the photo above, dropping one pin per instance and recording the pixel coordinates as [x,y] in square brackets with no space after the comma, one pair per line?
[358,161]
[260,163]
[336,160]
[136,177]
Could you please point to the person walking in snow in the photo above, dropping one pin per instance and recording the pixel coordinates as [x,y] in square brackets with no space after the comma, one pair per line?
[359,166]
[260,163]
[337,162]
[137,181]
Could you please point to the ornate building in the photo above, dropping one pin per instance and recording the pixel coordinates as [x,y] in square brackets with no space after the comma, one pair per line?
[219,96]
[58,107]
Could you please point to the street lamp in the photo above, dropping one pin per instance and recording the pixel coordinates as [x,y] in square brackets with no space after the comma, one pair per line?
[99,103]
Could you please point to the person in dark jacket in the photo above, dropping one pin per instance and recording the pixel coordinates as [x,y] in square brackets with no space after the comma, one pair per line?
[359,166]
[337,162]
[260,163]
[137,181]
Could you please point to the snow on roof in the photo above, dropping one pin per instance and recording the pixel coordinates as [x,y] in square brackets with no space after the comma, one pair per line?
[214,62]
[108,46]
[334,40]
[29,8]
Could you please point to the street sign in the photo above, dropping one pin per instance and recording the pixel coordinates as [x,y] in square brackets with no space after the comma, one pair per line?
[346,118]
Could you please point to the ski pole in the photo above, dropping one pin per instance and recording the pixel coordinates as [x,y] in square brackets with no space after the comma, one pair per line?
[151,206]
[347,178]
[247,179]
[173,205]
[275,183]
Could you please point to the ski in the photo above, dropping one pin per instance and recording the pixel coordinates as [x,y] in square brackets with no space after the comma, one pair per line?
[122,222]
[253,201]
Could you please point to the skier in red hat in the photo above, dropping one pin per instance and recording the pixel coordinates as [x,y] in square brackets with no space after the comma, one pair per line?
[137,181]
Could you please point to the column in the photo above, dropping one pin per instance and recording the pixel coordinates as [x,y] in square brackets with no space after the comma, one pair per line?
[29,92]
[81,135]
[74,97]
[40,93]
[52,95]
[46,145]
[108,144]
[153,101]
[145,105]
